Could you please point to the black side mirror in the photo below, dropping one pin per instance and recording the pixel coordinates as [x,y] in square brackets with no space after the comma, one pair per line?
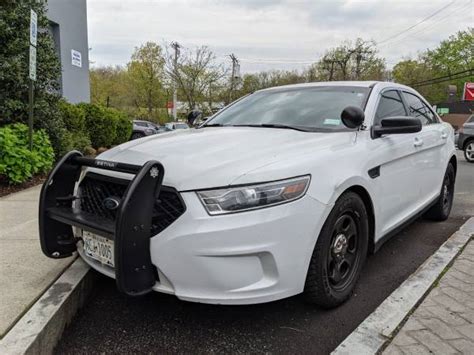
[352,116]
[396,125]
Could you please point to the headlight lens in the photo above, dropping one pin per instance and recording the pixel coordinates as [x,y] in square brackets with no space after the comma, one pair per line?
[244,198]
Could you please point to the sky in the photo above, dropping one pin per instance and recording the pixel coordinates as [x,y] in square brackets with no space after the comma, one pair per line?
[272,35]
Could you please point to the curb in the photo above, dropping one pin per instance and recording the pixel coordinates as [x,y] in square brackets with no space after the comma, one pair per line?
[379,327]
[39,330]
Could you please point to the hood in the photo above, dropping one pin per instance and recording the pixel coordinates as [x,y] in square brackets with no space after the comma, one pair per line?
[215,157]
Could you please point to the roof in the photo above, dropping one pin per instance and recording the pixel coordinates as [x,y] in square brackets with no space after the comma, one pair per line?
[337,83]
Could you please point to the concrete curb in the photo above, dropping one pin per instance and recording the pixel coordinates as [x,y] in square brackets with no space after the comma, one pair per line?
[379,327]
[39,330]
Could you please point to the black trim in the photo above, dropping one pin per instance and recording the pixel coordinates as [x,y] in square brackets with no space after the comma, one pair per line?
[374,172]
[131,230]
[402,226]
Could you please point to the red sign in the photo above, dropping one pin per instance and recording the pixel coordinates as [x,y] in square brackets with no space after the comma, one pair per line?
[468,94]
[169,104]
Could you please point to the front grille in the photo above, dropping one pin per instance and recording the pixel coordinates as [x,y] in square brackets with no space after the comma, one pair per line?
[94,188]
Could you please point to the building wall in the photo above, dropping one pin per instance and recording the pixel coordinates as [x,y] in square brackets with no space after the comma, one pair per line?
[69,28]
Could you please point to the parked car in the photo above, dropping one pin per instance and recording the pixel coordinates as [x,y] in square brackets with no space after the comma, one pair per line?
[143,128]
[466,139]
[176,125]
[283,192]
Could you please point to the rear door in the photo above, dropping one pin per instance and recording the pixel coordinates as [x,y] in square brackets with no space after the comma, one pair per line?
[430,146]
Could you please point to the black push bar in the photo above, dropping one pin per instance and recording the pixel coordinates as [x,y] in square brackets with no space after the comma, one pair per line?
[130,231]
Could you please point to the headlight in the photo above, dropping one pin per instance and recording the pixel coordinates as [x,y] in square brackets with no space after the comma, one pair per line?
[244,198]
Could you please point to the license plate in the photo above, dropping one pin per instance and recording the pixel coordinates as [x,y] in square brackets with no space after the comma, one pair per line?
[98,248]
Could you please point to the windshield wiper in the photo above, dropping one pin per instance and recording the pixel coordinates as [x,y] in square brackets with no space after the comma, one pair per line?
[212,125]
[275,125]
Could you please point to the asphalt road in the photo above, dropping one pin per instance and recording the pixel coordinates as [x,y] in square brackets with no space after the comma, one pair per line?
[158,323]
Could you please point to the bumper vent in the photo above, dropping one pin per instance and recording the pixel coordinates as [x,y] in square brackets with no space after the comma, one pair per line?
[95,188]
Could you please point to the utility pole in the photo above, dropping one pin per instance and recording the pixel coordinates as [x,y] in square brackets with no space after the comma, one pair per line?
[176,48]
[235,63]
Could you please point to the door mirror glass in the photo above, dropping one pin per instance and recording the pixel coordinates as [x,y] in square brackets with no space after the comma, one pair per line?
[396,125]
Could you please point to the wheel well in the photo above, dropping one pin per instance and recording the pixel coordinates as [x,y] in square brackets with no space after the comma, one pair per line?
[364,195]
[454,161]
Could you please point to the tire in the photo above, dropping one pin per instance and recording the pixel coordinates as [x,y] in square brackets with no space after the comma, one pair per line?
[331,275]
[137,135]
[442,208]
[469,151]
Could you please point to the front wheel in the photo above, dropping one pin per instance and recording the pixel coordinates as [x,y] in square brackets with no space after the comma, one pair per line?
[339,254]
[469,151]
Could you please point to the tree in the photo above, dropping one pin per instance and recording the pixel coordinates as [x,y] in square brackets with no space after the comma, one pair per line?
[350,61]
[146,74]
[197,75]
[451,56]
[110,87]
[14,69]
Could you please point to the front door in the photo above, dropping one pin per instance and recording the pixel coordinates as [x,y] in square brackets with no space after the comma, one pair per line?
[396,158]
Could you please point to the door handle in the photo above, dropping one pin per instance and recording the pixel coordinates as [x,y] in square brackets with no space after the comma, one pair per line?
[418,142]
[444,135]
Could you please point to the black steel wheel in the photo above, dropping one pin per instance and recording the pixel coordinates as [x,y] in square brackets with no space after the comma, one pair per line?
[343,257]
[339,253]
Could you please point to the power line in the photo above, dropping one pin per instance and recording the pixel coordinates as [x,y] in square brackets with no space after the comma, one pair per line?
[431,25]
[441,79]
[416,24]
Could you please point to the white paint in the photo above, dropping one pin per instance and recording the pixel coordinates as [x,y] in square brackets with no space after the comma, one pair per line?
[32,66]
[376,329]
[33,28]
[76,58]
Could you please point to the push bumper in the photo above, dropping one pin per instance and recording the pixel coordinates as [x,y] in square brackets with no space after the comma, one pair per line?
[130,230]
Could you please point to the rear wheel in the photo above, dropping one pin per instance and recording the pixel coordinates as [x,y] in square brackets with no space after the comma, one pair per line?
[469,151]
[137,135]
[339,254]
[440,211]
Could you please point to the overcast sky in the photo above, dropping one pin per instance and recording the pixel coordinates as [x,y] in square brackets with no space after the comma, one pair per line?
[278,34]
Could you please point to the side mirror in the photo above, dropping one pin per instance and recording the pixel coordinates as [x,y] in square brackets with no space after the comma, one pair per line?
[352,116]
[396,125]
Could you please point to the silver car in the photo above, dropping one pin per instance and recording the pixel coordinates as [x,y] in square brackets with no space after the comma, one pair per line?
[466,139]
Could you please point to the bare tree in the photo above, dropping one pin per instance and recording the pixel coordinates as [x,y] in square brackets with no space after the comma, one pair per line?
[196,74]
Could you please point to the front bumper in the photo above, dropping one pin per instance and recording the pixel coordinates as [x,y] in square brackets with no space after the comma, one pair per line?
[242,258]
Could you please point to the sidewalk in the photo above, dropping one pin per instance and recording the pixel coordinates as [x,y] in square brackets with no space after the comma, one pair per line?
[25,273]
[444,322]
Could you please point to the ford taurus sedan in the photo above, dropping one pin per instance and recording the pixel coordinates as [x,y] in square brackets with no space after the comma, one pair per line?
[285,191]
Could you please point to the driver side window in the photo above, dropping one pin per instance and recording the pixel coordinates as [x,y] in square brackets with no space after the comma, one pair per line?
[390,105]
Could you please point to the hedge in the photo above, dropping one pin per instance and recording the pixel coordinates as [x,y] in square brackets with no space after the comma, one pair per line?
[106,126]
[17,162]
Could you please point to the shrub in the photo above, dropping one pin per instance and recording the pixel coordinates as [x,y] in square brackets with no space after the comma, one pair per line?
[100,124]
[17,162]
[124,128]
[74,118]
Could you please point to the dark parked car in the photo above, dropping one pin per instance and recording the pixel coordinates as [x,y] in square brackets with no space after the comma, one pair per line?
[466,139]
[144,128]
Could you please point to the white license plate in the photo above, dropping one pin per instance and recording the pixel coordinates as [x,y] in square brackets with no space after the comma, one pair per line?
[98,248]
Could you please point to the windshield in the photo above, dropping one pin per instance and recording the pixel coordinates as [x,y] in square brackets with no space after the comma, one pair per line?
[311,108]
